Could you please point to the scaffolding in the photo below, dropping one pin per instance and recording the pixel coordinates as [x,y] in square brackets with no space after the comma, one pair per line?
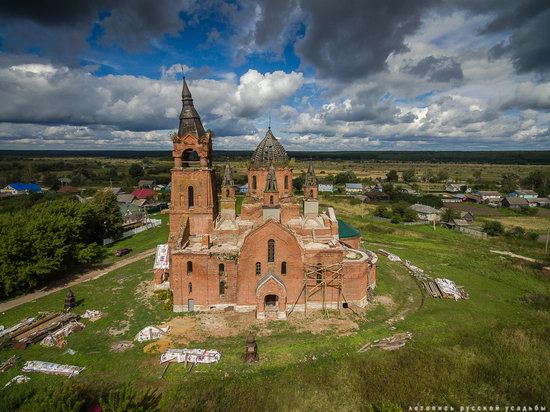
[318,279]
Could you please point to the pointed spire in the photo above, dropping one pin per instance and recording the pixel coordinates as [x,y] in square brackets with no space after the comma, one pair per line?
[271,181]
[228,176]
[190,121]
[311,179]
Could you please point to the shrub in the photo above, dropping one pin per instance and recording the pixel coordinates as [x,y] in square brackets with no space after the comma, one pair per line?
[516,232]
[382,211]
[493,228]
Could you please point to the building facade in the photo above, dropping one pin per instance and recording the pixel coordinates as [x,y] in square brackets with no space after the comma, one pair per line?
[281,253]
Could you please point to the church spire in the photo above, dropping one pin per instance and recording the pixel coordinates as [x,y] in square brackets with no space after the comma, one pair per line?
[190,121]
[271,181]
[311,179]
[228,176]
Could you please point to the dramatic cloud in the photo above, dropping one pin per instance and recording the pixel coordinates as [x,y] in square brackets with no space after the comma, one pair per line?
[442,69]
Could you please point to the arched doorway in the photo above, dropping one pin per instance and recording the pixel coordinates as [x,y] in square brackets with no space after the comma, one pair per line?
[271,303]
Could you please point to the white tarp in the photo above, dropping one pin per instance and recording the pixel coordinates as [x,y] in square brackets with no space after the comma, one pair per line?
[448,287]
[92,315]
[52,368]
[18,379]
[162,261]
[57,338]
[151,333]
[191,356]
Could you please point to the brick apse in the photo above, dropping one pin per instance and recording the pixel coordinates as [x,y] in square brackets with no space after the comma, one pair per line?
[279,254]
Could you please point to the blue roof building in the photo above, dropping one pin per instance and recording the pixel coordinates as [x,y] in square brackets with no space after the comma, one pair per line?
[24,187]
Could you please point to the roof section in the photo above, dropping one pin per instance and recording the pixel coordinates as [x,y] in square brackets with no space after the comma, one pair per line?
[143,193]
[346,231]
[20,187]
[190,121]
[269,151]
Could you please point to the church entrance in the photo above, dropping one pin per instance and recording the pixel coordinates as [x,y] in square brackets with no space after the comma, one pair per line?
[271,306]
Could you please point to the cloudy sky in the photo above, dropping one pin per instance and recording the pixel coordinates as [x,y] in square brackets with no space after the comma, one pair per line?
[332,74]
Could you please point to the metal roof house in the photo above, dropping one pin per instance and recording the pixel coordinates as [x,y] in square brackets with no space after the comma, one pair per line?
[22,188]
[325,187]
[354,187]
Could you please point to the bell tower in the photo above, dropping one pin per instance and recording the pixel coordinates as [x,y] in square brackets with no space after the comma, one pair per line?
[194,204]
[311,203]
[228,194]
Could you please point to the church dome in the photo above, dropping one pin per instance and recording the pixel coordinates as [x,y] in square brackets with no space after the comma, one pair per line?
[269,151]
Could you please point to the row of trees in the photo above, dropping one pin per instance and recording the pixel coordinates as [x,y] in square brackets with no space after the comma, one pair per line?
[42,242]
[495,228]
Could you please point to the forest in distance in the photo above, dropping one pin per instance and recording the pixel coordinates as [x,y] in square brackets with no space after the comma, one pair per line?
[492,157]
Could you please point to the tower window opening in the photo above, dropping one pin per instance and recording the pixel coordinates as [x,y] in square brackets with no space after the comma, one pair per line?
[190,287]
[221,269]
[286,182]
[190,197]
[258,268]
[253,182]
[283,268]
[189,268]
[222,288]
[271,250]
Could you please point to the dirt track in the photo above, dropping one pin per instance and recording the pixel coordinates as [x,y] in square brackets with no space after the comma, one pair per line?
[73,280]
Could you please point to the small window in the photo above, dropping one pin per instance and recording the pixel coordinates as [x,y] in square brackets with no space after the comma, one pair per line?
[222,288]
[221,269]
[190,197]
[283,268]
[258,268]
[271,250]
[319,273]
[189,268]
[253,182]
[271,199]
[190,287]
[311,193]
[226,192]
[286,182]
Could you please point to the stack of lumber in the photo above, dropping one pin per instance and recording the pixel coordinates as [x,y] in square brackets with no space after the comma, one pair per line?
[40,328]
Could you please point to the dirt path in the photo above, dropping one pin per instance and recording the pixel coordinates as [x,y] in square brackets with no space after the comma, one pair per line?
[528,259]
[73,280]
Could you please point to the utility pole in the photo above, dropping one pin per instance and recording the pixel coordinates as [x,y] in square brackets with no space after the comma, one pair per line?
[547,235]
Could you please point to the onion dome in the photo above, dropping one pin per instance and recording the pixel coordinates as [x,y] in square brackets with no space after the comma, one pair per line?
[190,121]
[269,151]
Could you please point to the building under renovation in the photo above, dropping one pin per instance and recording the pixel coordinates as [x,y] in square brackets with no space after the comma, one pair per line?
[280,254]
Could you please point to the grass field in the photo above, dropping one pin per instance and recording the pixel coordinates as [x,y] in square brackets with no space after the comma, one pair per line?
[491,349]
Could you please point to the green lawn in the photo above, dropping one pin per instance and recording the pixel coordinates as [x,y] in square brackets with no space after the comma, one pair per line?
[491,349]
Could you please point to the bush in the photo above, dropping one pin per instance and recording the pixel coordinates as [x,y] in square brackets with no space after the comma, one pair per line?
[382,211]
[493,228]
[517,232]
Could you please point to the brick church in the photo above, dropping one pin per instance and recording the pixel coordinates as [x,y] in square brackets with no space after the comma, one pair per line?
[280,254]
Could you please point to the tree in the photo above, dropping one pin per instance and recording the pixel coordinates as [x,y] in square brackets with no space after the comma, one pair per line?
[382,211]
[392,176]
[442,175]
[345,177]
[135,170]
[448,215]
[477,175]
[493,228]
[409,175]
[298,182]
[509,182]
[109,219]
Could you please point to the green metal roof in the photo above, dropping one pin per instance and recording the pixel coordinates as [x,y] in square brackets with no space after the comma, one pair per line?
[346,231]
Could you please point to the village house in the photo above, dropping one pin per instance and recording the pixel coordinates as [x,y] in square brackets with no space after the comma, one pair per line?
[125,198]
[325,188]
[514,202]
[524,194]
[467,216]
[281,253]
[452,188]
[354,188]
[375,196]
[21,188]
[68,189]
[114,190]
[146,184]
[488,196]
[425,212]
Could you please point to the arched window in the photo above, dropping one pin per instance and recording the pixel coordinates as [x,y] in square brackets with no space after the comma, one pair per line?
[222,288]
[190,197]
[226,192]
[283,268]
[189,268]
[258,268]
[286,182]
[221,269]
[190,287]
[253,182]
[271,199]
[311,193]
[271,250]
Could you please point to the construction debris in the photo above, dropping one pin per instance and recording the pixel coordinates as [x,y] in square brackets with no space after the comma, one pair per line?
[193,356]
[52,368]
[92,315]
[14,328]
[17,379]
[8,364]
[57,338]
[39,329]
[122,346]
[390,343]
[438,288]
[151,333]
[70,351]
